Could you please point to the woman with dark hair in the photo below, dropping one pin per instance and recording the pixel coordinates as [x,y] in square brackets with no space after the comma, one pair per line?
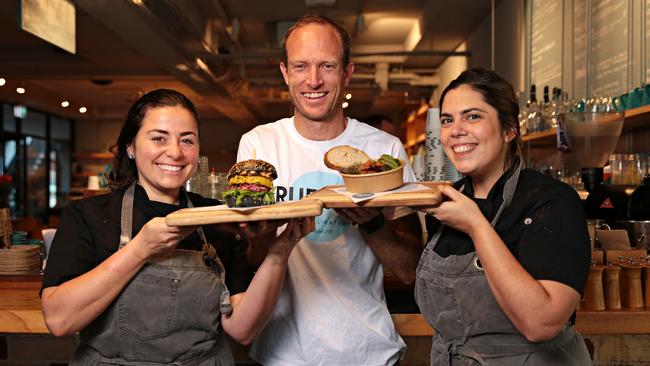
[508,256]
[140,291]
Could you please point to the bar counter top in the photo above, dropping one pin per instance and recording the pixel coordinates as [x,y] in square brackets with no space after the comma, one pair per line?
[20,312]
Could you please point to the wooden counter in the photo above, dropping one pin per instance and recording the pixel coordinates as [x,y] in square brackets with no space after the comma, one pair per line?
[20,312]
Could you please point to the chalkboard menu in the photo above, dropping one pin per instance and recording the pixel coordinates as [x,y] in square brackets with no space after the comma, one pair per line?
[546,43]
[609,47]
[580,48]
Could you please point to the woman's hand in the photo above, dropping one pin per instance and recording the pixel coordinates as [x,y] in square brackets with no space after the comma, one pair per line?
[295,230]
[457,211]
[157,237]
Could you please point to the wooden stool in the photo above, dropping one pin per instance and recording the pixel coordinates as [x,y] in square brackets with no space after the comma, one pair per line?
[612,287]
[594,298]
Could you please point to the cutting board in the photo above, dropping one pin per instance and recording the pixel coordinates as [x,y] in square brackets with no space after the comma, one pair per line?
[430,197]
[222,214]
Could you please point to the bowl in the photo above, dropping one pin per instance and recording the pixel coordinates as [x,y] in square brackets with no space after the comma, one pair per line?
[375,182]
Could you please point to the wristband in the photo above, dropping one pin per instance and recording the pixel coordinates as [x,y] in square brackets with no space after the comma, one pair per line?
[375,224]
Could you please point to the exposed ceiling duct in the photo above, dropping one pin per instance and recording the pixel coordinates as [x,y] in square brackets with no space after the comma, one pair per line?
[159,30]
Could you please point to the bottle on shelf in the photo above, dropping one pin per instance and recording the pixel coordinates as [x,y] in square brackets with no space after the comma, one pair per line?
[523,116]
[213,184]
[535,119]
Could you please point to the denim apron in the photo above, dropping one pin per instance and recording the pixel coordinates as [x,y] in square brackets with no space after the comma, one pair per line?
[168,314]
[471,329]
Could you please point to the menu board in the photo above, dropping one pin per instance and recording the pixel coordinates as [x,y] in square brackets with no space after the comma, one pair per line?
[580,49]
[609,47]
[546,43]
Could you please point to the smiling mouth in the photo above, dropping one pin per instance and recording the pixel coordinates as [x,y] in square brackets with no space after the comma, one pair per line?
[170,168]
[314,95]
[460,149]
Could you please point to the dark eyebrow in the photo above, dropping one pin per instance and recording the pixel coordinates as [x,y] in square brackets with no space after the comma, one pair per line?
[472,109]
[165,132]
[445,114]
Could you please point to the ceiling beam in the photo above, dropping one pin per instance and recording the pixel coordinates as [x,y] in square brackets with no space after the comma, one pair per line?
[143,31]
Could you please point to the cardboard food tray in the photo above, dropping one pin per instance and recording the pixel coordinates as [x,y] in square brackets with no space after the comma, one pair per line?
[222,214]
[430,197]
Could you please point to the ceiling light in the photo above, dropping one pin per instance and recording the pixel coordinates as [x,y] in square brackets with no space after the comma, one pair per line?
[345,104]
[360,24]
[348,96]
[2,81]
[83,109]
[20,90]
[65,104]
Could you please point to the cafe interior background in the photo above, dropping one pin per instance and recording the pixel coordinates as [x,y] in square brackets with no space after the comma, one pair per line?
[69,70]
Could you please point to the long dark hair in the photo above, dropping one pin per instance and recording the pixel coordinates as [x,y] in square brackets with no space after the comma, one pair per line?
[499,94]
[124,171]
[322,20]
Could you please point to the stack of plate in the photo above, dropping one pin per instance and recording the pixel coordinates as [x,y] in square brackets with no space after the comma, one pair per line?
[20,259]
[5,228]
[19,238]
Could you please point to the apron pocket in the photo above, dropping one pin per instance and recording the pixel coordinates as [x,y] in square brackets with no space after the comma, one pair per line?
[440,308]
[147,306]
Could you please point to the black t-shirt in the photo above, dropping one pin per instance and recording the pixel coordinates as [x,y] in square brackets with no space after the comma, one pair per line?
[544,227]
[89,233]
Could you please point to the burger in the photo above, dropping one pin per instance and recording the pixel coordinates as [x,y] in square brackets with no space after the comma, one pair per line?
[250,184]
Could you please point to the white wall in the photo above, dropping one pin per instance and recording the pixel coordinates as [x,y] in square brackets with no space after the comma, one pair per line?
[509,48]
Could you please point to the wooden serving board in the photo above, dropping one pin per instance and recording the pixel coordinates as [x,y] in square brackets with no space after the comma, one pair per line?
[331,199]
[220,215]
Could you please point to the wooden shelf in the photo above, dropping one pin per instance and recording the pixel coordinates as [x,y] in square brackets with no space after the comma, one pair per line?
[84,174]
[539,136]
[20,312]
[634,118]
[418,140]
[94,156]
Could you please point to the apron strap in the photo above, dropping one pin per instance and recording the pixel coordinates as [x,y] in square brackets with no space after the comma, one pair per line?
[505,345]
[126,218]
[210,254]
[456,348]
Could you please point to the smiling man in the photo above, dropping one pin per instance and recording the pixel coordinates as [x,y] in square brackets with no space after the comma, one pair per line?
[332,309]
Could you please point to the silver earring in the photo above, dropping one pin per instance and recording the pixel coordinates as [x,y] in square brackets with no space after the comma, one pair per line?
[131,157]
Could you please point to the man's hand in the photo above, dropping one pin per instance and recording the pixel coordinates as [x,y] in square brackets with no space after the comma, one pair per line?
[359,215]
[260,229]
[295,230]
[259,235]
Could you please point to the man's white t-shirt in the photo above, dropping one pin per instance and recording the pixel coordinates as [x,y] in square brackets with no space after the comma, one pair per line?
[332,309]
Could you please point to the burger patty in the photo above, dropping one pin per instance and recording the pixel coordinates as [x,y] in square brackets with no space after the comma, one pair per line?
[249,187]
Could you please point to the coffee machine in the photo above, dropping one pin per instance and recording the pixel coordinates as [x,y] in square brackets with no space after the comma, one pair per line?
[586,141]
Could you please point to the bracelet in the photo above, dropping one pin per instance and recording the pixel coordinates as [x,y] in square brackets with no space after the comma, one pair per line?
[375,224]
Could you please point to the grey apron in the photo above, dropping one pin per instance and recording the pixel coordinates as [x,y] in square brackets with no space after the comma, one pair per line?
[471,329]
[168,314]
